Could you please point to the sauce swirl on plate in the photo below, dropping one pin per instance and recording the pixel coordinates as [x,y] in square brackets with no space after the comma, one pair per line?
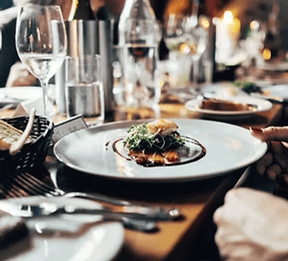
[158,144]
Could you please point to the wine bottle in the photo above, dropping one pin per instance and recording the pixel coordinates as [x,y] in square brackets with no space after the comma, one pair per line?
[139,36]
[81,10]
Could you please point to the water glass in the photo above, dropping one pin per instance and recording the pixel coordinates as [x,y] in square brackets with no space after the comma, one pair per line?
[117,69]
[84,88]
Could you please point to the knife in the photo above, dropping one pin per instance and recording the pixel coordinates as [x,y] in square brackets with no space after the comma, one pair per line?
[49,209]
[132,221]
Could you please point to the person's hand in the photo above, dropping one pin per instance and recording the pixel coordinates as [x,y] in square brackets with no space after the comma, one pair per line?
[20,76]
[252,225]
[274,164]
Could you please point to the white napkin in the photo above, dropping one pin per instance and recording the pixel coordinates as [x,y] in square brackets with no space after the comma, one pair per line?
[252,225]
[25,107]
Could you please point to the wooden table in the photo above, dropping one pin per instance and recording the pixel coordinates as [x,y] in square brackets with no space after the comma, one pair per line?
[197,200]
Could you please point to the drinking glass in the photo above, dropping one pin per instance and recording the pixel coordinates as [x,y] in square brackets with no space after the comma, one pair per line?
[84,88]
[197,36]
[41,42]
[186,39]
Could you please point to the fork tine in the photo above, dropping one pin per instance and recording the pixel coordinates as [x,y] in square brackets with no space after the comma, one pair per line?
[38,185]
[18,191]
[28,187]
[36,181]
[13,191]
[5,192]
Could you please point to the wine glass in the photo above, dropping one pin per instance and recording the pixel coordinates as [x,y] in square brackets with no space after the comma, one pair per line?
[186,39]
[41,42]
[196,34]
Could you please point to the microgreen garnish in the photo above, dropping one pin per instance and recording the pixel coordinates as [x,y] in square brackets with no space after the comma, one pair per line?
[140,138]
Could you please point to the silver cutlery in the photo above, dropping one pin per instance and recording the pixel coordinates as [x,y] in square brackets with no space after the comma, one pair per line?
[27,183]
[130,221]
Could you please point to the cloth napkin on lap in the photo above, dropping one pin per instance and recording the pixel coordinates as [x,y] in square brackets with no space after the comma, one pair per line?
[252,225]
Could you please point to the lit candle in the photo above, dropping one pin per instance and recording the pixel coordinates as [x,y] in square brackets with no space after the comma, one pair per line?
[227,34]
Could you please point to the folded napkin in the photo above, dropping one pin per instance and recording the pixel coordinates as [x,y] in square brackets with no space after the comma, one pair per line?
[25,107]
[252,225]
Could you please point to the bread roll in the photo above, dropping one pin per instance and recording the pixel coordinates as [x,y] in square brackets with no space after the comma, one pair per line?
[8,135]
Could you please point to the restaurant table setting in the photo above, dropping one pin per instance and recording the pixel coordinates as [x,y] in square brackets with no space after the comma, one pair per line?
[75,191]
[183,196]
[187,191]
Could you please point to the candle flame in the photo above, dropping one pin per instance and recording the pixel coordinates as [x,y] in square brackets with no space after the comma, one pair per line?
[228,17]
[266,54]
[254,25]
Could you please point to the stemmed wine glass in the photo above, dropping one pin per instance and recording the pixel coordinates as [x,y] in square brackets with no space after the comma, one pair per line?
[186,39]
[196,39]
[41,42]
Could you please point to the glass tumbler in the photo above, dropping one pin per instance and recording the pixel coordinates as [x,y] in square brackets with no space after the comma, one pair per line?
[84,88]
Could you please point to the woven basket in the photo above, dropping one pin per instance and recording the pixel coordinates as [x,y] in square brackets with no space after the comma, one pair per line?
[32,154]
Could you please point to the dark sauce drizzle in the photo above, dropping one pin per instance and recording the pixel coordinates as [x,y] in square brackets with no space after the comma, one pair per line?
[107,144]
[181,151]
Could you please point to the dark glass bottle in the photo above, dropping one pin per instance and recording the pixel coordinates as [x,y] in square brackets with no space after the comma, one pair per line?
[272,39]
[81,10]
[139,36]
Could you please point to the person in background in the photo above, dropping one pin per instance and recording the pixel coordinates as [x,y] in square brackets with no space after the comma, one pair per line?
[8,54]
[12,71]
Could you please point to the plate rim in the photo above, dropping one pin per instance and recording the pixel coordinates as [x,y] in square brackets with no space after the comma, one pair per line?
[275,86]
[158,179]
[15,100]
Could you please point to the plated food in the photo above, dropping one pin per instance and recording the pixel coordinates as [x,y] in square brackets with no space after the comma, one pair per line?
[249,87]
[229,107]
[273,93]
[158,143]
[100,151]
[154,143]
[226,105]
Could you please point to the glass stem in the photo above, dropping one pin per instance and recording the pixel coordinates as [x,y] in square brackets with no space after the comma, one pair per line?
[195,70]
[44,85]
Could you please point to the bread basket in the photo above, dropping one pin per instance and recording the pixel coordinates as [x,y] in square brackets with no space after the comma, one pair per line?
[32,154]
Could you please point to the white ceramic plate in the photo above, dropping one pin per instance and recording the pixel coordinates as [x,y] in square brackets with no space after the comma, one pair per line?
[280,91]
[17,95]
[274,93]
[228,147]
[260,106]
[77,237]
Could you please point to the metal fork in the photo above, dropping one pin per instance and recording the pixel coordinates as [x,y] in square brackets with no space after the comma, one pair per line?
[34,186]
[140,222]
